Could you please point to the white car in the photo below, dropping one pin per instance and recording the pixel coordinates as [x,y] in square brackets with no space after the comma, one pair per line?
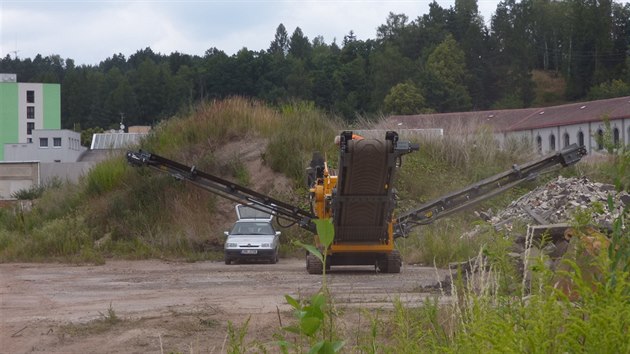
[252,237]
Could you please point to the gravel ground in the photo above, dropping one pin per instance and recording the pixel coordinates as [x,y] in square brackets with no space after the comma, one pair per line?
[177,307]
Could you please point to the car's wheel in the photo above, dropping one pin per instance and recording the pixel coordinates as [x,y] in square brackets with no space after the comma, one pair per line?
[228,260]
[274,258]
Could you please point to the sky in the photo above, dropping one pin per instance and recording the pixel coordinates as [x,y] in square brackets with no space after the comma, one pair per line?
[89,31]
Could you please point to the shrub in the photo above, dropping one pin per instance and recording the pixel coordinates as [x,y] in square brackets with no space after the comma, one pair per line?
[65,239]
[105,176]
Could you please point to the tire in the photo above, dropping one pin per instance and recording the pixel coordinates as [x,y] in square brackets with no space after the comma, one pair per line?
[313,264]
[228,261]
[274,258]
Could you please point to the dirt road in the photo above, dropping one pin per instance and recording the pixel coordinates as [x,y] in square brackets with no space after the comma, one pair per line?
[158,306]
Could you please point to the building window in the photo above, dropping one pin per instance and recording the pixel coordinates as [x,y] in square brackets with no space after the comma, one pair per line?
[600,139]
[56,142]
[552,142]
[29,140]
[566,140]
[30,96]
[580,138]
[30,112]
[29,128]
[539,144]
[43,142]
[616,137]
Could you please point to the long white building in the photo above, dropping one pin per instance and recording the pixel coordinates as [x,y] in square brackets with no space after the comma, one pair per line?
[548,129]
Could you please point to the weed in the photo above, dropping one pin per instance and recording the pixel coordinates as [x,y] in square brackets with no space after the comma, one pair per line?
[110,317]
[311,325]
[236,337]
[104,323]
[236,168]
[313,315]
[106,176]
[33,192]
[439,243]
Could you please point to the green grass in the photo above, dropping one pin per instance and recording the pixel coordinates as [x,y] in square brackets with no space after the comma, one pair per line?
[106,176]
[65,239]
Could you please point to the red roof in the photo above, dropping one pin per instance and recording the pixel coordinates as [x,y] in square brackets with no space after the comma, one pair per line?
[516,119]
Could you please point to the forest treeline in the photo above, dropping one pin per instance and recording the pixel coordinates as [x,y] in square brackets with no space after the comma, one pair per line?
[446,60]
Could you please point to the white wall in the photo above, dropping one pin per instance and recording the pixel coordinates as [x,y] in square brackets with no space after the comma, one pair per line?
[69,151]
[16,176]
[588,129]
[71,171]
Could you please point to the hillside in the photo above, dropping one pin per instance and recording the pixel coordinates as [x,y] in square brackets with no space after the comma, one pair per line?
[125,212]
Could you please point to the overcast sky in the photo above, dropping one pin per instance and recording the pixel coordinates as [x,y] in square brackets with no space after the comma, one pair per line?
[90,31]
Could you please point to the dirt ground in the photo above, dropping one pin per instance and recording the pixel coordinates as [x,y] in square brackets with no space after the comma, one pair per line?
[162,307]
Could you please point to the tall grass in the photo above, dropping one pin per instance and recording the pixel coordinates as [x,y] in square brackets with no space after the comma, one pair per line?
[105,176]
[65,239]
[444,165]
[454,161]
[440,243]
[212,124]
[304,130]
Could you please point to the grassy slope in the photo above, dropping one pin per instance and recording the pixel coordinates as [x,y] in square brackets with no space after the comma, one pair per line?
[122,211]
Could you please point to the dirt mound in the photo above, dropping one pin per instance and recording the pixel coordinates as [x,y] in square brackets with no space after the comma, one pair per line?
[249,152]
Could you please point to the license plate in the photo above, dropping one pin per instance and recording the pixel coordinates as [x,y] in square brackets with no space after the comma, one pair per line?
[249,251]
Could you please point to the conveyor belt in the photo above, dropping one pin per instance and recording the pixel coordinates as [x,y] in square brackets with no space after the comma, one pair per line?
[364,202]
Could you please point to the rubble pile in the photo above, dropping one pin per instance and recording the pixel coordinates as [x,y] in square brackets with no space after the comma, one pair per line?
[549,211]
[557,201]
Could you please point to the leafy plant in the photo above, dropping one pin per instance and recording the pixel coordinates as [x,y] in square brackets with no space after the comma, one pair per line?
[312,315]
[326,235]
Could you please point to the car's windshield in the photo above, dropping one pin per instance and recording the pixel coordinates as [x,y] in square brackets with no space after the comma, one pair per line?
[252,228]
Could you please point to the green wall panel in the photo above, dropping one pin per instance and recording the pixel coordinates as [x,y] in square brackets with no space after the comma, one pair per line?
[52,106]
[8,115]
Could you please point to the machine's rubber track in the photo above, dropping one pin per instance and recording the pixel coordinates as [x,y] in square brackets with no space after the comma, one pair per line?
[392,261]
[313,264]
[364,200]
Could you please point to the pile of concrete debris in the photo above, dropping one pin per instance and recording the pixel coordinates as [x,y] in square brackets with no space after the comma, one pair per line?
[557,201]
[549,213]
